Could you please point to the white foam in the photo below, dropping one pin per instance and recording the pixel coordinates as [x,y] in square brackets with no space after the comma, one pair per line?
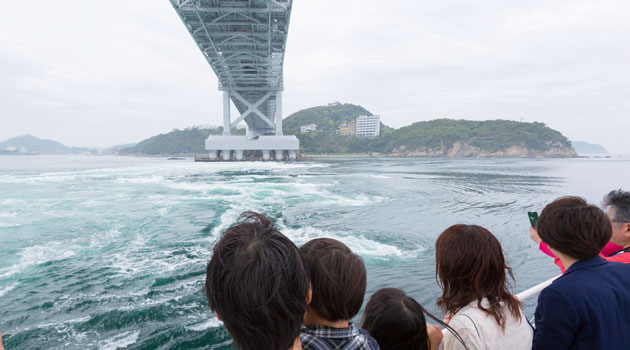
[227,218]
[119,341]
[141,180]
[256,194]
[40,254]
[359,200]
[137,259]
[30,179]
[12,201]
[358,244]
[104,238]
[210,323]
[380,177]
[8,288]
[90,203]
[36,255]
[57,323]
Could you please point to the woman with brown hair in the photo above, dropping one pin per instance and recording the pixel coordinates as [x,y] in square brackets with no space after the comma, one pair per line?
[471,271]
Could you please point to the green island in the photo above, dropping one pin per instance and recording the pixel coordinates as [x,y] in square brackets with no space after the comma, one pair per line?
[434,138]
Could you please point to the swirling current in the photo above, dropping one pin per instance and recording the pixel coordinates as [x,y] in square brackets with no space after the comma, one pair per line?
[110,252]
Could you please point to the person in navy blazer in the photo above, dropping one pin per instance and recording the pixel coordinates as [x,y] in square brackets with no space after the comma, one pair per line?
[588,307]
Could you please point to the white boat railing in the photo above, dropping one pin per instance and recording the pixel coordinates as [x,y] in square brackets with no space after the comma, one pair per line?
[528,293]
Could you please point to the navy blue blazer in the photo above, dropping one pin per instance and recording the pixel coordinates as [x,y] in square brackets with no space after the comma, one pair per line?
[586,308]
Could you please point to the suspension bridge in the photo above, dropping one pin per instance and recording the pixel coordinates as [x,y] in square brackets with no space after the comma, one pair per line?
[244,42]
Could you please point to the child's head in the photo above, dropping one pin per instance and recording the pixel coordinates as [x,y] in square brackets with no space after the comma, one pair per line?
[338,279]
[257,284]
[395,320]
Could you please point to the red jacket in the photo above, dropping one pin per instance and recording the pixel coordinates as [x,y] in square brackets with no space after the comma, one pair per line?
[609,253]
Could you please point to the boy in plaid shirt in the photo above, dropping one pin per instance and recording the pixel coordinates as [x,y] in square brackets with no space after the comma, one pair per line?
[338,280]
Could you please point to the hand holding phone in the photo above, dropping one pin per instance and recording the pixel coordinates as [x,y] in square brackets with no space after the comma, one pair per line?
[533,218]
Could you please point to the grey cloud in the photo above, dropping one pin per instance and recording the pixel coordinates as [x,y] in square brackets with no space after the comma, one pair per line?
[100,73]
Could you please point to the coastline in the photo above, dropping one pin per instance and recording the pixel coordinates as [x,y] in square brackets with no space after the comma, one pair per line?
[381,155]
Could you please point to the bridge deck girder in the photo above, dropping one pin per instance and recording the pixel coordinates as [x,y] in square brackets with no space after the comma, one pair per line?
[244,43]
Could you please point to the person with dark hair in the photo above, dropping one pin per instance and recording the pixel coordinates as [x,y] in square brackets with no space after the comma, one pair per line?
[257,285]
[587,307]
[617,206]
[338,280]
[471,271]
[397,322]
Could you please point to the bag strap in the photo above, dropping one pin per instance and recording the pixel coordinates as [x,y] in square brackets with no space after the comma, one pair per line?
[474,324]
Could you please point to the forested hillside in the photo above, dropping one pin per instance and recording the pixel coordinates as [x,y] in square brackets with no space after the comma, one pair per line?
[327,118]
[187,141]
[488,135]
[434,138]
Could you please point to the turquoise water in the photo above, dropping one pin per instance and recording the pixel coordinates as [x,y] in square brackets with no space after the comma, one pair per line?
[109,252]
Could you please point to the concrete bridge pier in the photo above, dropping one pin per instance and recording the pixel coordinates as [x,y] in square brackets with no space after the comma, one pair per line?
[227,154]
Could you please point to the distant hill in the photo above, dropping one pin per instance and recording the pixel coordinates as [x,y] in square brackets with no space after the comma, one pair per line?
[116,149]
[588,149]
[435,138]
[34,145]
[176,142]
[490,138]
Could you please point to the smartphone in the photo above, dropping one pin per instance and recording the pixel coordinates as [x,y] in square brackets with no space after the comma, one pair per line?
[533,218]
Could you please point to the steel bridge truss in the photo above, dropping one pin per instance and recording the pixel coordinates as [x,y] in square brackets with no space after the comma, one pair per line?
[244,42]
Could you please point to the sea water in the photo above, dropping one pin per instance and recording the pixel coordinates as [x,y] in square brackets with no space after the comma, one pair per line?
[110,252]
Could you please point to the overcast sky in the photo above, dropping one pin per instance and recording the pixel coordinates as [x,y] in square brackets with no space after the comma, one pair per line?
[100,73]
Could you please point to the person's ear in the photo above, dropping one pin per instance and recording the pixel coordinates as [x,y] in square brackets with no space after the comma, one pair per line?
[309,295]
[626,229]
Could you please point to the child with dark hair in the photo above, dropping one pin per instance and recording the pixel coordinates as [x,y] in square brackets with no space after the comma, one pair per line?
[587,307]
[397,322]
[338,280]
[257,285]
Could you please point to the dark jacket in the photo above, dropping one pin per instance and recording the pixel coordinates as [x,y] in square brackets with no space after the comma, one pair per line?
[586,308]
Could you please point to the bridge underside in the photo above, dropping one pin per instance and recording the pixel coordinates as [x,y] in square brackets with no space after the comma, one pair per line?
[244,42]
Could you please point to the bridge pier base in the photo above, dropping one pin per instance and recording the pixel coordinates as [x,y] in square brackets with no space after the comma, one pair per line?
[234,147]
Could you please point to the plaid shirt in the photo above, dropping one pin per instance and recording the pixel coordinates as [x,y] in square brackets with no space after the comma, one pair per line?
[328,338]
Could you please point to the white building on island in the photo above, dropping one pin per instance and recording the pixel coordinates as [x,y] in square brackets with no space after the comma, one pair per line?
[368,127]
[308,128]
